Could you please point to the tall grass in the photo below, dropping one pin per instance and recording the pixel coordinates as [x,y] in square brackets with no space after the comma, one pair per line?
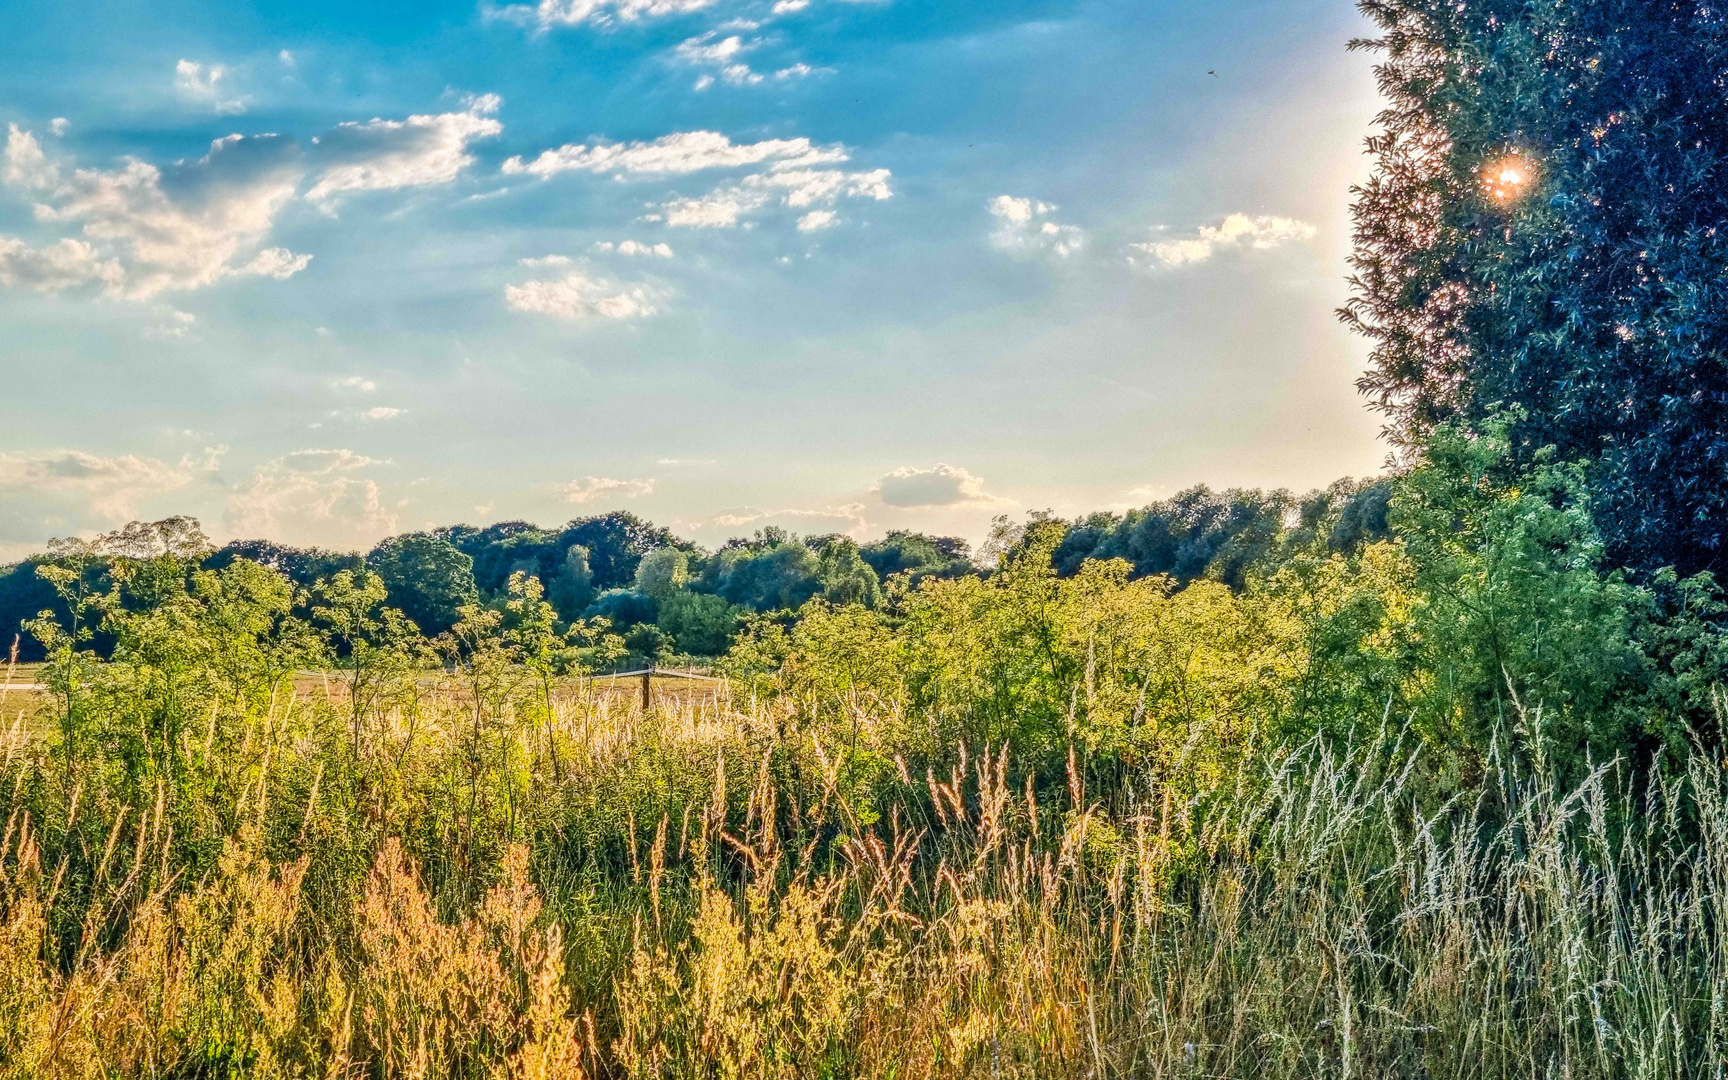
[480,886]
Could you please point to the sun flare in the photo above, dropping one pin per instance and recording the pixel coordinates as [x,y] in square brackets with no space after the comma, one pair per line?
[1508,178]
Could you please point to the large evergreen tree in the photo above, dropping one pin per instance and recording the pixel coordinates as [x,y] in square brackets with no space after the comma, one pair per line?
[1545,239]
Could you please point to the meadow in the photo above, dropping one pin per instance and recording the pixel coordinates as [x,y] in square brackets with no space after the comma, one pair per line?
[1349,820]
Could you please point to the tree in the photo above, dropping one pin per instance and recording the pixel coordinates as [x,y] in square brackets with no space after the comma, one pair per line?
[616,542]
[572,588]
[427,578]
[700,623]
[1544,242]
[650,642]
[302,566]
[845,577]
[503,549]
[623,608]
[780,575]
[25,595]
[375,646]
[662,572]
[917,554]
[1193,534]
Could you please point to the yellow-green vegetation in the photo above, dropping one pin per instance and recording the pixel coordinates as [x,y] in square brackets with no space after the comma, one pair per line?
[1430,809]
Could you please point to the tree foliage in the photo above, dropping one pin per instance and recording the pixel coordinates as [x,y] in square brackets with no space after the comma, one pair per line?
[428,580]
[1544,235]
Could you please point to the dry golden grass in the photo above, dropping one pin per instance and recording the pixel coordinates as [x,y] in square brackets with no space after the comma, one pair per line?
[705,890]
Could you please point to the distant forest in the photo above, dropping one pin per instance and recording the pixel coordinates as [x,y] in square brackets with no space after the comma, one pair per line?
[666,595]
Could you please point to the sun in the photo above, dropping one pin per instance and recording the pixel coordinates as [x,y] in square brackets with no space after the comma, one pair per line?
[1508,178]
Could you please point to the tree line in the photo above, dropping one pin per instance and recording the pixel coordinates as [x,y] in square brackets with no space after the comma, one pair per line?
[664,595]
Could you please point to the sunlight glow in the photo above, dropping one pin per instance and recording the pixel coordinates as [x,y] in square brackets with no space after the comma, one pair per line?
[1508,178]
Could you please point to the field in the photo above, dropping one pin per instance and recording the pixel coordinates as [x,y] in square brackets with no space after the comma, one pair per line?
[1017,825]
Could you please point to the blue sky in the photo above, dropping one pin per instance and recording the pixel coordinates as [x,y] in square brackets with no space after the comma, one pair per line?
[323,272]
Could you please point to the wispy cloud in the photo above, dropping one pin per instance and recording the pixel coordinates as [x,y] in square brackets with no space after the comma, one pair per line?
[206,85]
[384,155]
[1025,225]
[633,248]
[1235,231]
[376,412]
[174,325]
[722,55]
[115,488]
[595,488]
[549,14]
[675,155]
[311,496]
[794,188]
[579,296]
[847,518]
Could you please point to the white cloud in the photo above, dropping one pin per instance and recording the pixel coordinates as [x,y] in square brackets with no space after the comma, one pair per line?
[577,296]
[787,7]
[676,154]
[278,263]
[287,59]
[545,260]
[148,229]
[594,488]
[797,173]
[944,485]
[204,84]
[354,382]
[795,188]
[59,126]
[115,488]
[385,155]
[552,13]
[847,518]
[722,55]
[1025,225]
[311,496]
[26,166]
[816,219]
[717,210]
[176,324]
[631,247]
[65,264]
[379,412]
[804,187]
[326,462]
[796,71]
[1235,231]
[705,50]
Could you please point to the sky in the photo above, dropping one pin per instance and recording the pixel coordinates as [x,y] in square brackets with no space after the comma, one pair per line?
[325,272]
